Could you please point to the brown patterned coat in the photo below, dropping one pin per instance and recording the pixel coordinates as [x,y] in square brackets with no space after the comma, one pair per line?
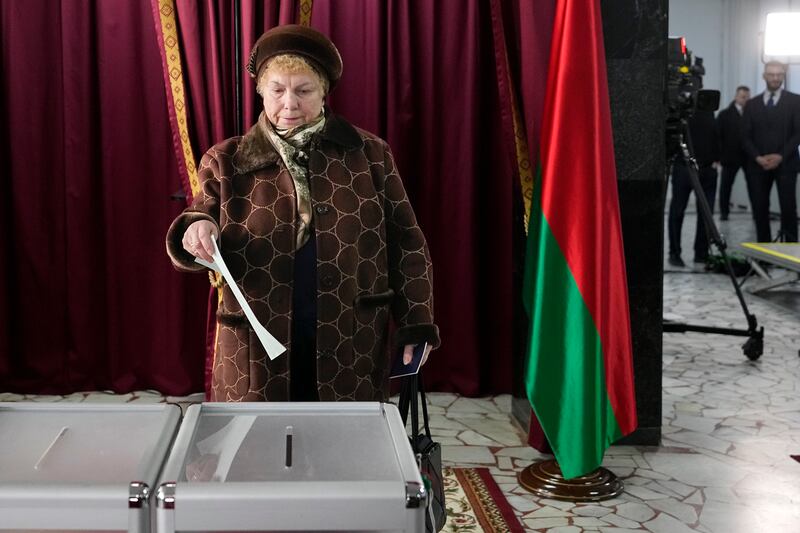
[372,262]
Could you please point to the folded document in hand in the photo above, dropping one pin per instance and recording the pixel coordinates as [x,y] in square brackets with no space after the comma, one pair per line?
[270,343]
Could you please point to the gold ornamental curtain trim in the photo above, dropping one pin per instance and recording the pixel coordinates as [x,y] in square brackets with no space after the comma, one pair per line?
[167,29]
[306,7]
[506,85]
[523,159]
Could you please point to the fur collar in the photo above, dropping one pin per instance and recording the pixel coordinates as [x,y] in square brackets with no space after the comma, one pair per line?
[255,151]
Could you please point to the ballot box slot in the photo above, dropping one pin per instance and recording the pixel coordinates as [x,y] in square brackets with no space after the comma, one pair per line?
[289,446]
[49,448]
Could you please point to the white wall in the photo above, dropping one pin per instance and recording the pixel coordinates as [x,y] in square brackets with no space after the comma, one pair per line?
[700,22]
[727,34]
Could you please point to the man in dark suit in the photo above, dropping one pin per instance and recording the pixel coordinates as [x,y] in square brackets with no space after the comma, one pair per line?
[706,151]
[770,136]
[732,155]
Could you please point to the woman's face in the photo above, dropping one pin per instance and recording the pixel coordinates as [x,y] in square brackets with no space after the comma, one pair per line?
[292,99]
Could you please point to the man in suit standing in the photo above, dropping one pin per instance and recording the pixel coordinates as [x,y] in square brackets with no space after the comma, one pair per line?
[770,136]
[706,151]
[732,155]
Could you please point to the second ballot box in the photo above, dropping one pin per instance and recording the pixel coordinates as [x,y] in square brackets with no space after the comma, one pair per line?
[67,467]
[273,467]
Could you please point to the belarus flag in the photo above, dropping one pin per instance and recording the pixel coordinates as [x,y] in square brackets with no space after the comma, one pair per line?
[579,376]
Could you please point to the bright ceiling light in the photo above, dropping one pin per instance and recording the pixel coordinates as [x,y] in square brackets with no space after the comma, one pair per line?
[782,35]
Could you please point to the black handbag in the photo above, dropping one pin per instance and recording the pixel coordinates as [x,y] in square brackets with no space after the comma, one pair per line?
[428,452]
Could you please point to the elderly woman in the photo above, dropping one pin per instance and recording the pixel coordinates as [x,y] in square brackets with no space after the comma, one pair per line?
[314,224]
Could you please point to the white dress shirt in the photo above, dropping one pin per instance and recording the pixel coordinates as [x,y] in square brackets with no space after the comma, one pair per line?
[774,98]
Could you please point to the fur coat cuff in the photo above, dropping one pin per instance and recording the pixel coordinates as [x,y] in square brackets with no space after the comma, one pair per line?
[418,333]
[183,260]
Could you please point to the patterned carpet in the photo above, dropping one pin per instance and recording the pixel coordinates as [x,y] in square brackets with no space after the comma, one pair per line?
[475,503]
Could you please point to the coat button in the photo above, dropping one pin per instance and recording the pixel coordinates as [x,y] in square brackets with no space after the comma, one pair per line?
[327,281]
[323,209]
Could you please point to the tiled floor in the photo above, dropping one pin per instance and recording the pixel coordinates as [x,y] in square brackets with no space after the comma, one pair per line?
[729,426]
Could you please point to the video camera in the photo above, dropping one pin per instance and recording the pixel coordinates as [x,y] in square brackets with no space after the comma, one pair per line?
[685,97]
[685,94]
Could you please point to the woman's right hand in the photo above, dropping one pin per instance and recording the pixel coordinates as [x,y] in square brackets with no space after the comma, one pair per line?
[197,239]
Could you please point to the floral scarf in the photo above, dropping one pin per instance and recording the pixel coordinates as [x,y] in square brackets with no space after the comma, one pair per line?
[293,145]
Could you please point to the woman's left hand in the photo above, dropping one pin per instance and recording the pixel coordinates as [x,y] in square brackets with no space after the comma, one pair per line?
[408,354]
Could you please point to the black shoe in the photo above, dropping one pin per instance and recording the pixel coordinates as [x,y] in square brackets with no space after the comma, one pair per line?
[723,217]
[676,261]
[700,265]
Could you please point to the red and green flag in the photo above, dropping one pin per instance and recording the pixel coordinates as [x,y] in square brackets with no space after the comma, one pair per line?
[579,376]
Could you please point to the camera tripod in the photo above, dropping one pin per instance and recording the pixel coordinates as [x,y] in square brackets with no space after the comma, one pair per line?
[754,346]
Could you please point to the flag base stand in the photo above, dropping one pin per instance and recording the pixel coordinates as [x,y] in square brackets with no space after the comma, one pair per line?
[544,479]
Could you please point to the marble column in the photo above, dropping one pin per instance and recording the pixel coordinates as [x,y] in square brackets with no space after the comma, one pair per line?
[635,33]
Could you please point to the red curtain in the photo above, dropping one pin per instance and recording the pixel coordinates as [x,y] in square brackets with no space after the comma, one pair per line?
[207,45]
[94,302]
[89,299]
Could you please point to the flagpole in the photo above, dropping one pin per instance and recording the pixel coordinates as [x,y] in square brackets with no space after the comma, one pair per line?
[579,372]
[544,478]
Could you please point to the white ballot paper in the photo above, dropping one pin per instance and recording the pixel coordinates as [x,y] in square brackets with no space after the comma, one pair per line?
[270,343]
[225,443]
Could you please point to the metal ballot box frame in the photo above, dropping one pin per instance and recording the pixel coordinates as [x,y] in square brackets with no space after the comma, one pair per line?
[77,466]
[345,466]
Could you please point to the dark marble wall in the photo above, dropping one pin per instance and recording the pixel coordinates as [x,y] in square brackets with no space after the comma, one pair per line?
[635,34]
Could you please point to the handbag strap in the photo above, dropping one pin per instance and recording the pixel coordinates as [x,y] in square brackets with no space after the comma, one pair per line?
[411,392]
[414,414]
[424,405]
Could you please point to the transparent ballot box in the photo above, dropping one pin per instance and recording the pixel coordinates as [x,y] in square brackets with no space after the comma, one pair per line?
[81,467]
[291,467]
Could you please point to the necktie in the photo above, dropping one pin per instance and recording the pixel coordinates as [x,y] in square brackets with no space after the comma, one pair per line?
[771,101]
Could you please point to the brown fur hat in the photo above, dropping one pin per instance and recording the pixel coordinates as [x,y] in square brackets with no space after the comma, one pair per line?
[313,46]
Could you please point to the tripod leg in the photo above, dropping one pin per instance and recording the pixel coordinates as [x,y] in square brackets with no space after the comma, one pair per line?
[702,243]
[754,347]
